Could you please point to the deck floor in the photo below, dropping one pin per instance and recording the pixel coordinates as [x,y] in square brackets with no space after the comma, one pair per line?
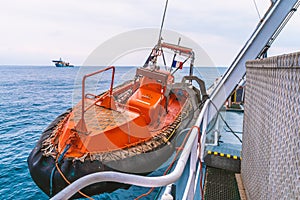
[220,184]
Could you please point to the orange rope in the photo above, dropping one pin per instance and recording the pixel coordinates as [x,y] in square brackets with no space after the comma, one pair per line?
[145,194]
[173,161]
[63,176]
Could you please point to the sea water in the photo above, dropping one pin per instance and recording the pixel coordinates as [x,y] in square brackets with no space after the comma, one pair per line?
[30,98]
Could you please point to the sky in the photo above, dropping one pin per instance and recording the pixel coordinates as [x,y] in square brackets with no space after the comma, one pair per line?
[35,32]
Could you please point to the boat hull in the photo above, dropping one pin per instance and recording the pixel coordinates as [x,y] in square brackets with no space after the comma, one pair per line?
[62,65]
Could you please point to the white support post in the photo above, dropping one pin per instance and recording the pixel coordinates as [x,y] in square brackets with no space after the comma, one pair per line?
[203,132]
[190,185]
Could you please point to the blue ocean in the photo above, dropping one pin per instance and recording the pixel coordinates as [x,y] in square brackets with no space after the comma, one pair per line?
[30,98]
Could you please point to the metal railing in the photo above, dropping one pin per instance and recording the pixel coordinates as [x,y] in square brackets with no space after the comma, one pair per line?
[286,60]
[190,150]
[81,124]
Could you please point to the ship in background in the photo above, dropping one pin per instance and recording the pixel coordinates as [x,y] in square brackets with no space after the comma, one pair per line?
[61,63]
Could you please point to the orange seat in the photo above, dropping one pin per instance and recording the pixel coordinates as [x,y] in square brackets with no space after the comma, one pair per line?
[148,99]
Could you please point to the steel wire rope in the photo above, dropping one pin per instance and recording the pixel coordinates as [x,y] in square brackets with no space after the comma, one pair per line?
[240,132]
[256,8]
[222,118]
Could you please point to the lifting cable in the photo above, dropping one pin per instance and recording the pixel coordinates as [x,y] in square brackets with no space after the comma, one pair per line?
[219,114]
[162,23]
[256,8]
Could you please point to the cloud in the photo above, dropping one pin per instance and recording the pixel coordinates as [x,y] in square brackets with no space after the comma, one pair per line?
[72,29]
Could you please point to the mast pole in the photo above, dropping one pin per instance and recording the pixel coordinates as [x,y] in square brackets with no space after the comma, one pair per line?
[158,46]
[162,23]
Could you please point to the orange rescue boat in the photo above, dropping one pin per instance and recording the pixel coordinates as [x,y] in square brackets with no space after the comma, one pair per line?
[130,128]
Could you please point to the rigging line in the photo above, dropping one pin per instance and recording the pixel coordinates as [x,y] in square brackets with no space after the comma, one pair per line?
[218,112]
[162,23]
[239,132]
[164,59]
[257,10]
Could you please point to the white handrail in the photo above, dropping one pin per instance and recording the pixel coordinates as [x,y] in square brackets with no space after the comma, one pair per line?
[138,180]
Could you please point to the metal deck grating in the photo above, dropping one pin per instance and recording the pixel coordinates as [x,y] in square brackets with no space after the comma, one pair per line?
[220,184]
